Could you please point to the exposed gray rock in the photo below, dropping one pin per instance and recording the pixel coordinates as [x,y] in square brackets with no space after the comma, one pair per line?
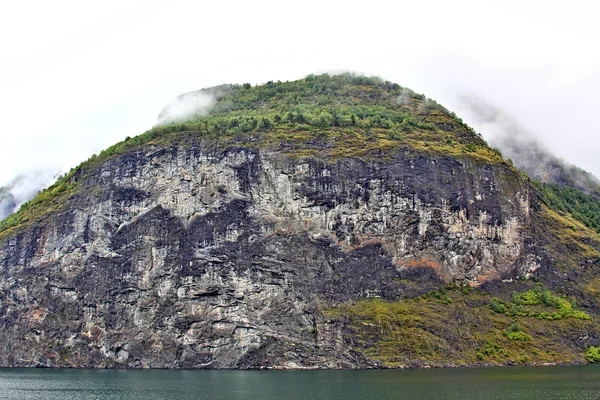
[199,257]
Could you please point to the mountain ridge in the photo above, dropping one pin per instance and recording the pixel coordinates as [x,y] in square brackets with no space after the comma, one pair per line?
[331,222]
[405,111]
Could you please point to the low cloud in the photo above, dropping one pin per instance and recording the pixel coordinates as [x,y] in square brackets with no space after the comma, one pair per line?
[22,189]
[404,97]
[527,152]
[187,106]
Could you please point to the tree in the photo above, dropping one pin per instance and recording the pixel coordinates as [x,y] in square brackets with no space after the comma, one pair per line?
[326,119]
[290,117]
[264,124]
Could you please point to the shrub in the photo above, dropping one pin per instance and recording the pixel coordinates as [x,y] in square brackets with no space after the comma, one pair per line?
[592,354]
[470,147]
[524,359]
[517,311]
[498,306]
[514,333]
[530,298]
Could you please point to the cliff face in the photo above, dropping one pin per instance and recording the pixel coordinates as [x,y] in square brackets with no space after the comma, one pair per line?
[332,222]
[199,256]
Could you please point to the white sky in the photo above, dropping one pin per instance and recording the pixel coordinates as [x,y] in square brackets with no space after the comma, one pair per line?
[77,76]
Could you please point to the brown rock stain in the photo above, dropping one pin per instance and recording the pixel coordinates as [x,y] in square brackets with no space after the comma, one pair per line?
[424,262]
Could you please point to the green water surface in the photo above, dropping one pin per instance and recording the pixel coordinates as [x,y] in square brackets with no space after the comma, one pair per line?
[573,382]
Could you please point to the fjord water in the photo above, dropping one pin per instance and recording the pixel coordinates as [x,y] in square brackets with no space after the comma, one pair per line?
[573,382]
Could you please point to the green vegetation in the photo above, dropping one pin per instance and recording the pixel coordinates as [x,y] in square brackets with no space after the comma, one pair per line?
[514,333]
[492,349]
[567,239]
[48,200]
[498,306]
[439,295]
[592,354]
[339,107]
[582,207]
[320,102]
[538,303]
[430,331]
[328,116]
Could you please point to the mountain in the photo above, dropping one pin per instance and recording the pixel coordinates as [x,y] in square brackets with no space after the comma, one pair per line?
[541,165]
[330,222]
[527,152]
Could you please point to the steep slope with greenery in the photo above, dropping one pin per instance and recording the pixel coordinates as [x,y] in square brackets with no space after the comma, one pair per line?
[330,222]
[566,199]
[360,116]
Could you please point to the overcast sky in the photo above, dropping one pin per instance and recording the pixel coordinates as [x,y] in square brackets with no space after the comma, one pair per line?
[77,76]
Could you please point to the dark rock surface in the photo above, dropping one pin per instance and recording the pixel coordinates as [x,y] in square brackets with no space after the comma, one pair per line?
[200,257]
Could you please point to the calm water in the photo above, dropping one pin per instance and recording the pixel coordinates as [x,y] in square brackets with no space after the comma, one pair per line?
[578,382]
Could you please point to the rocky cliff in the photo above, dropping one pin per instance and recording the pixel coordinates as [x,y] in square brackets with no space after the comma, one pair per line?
[250,250]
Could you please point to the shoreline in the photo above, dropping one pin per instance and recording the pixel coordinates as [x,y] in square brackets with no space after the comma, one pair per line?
[278,368]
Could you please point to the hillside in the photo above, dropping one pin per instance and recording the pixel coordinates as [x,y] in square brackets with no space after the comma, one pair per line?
[543,166]
[528,153]
[330,222]
[364,117]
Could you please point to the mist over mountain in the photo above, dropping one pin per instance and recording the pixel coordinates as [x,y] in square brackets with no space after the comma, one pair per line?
[7,202]
[502,131]
[527,152]
[22,189]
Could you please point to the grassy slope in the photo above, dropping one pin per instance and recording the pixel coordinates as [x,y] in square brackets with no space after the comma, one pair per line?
[459,326]
[566,199]
[464,326]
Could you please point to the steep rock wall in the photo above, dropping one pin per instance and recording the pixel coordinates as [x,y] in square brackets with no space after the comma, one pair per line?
[206,257]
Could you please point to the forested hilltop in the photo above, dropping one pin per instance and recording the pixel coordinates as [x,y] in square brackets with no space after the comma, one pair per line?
[368,114]
[364,116]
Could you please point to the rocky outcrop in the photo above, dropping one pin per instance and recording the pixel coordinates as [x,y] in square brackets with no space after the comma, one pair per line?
[199,256]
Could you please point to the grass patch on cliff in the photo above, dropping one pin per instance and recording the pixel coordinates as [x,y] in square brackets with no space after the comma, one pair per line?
[49,200]
[592,289]
[592,354]
[570,238]
[538,303]
[566,199]
[464,331]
